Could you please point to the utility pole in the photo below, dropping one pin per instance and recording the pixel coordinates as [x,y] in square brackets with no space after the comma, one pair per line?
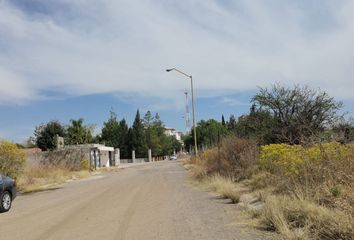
[193,108]
[187,115]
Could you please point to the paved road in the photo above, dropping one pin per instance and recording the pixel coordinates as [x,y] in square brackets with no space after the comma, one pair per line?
[153,201]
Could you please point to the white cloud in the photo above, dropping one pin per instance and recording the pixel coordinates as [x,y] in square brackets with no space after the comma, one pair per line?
[14,89]
[85,47]
[233,102]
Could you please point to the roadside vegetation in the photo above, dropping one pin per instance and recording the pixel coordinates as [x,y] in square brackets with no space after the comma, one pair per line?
[41,178]
[294,155]
[38,177]
[307,191]
[12,159]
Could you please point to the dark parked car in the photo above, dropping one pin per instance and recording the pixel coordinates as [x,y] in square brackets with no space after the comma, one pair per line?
[7,193]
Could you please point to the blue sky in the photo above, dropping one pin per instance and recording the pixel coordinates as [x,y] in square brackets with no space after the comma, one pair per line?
[65,59]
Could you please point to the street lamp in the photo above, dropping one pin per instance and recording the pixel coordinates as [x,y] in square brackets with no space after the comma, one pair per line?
[193,107]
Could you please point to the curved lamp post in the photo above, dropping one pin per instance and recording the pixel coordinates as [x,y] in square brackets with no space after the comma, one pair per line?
[193,107]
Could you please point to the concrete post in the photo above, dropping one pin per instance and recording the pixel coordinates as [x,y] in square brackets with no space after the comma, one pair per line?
[133,156]
[117,156]
[149,156]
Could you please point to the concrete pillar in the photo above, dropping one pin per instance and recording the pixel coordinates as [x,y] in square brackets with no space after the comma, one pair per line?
[117,156]
[133,156]
[149,155]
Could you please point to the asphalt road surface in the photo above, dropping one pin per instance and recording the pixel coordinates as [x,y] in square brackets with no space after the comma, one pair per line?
[152,201]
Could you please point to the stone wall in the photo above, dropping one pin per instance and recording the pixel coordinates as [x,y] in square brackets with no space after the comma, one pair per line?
[68,158]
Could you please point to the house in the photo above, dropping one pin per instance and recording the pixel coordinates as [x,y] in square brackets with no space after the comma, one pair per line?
[101,156]
[173,132]
[98,154]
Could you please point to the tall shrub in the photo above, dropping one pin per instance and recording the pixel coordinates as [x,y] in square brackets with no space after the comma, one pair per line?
[12,159]
[234,157]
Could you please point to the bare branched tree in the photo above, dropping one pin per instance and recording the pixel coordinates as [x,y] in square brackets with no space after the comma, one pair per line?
[300,112]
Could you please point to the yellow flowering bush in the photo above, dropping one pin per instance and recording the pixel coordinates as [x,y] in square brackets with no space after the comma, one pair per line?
[320,176]
[12,159]
[283,159]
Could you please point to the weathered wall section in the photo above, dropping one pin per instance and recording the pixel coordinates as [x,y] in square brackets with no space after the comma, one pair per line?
[69,158]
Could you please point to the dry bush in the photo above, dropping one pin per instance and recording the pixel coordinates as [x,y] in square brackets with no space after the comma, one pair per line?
[223,186]
[185,160]
[301,219]
[198,172]
[235,158]
[260,180]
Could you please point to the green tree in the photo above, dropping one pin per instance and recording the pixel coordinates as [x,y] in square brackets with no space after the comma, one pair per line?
[300,113]
[151,133]
[124,140]
[209,134]
[163,142]
[231,124]
[148,119]
[138,137]
[78,133]
[110,131]
[155,137]
[115,134]
[45,135]
[130,142]
[166,145]
[223,120]
[257,125]
[176,145]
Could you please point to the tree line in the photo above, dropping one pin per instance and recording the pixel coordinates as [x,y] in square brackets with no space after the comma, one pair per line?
[291,115]
[145,133]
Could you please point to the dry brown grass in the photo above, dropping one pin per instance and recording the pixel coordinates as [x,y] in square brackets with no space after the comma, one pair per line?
[185,159]
[224,186]
[40,178]
[197,172]
[301,219]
